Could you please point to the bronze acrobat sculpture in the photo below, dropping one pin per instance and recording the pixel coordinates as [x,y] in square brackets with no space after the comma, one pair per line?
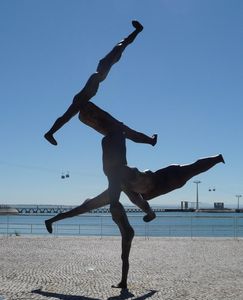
[139,186]
[146,185]
[113,144]
[91,87]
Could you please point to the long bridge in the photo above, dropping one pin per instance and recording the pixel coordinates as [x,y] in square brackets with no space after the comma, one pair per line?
[55,209]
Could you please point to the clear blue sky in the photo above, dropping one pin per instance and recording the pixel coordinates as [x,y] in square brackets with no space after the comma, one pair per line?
[182,78]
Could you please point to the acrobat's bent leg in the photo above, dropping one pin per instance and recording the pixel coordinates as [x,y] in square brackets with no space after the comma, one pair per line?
[114,56]
[89,204]
[120,218]
[138,200]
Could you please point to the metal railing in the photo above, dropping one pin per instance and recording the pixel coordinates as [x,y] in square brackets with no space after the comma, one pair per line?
[162,226]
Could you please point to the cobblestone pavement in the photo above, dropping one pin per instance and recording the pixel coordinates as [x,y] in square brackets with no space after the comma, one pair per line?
[76,268]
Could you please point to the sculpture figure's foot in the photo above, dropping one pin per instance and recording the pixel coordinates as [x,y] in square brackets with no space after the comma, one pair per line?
[121,285]
[49,137]
[138,26]
[48,226]
[221,158]
[155,138]
[149,217]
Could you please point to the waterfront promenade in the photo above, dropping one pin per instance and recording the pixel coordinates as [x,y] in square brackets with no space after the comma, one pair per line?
[76,268]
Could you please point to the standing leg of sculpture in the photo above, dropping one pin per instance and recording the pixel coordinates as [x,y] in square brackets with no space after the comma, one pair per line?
[119,216]
[114,160]
[92,85]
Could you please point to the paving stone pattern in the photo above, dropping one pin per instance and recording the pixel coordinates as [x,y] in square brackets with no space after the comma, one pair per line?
[76,268]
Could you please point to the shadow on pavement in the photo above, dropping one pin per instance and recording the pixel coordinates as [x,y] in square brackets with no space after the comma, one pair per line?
[62,296]
[124,294]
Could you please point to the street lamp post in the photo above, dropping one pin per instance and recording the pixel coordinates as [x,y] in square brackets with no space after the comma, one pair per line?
[197,202]
[238,200]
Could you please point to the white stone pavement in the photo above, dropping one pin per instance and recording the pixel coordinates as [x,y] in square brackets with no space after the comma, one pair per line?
[76,268]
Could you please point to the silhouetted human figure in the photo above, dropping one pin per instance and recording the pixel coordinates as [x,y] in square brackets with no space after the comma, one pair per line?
[144,185]
[138,186]
[91,87]
[114,160]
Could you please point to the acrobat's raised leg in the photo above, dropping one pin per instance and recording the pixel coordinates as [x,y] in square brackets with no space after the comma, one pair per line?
[114,56]
[120,218]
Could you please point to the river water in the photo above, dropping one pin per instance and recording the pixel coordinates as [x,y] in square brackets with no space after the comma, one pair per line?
[171,224]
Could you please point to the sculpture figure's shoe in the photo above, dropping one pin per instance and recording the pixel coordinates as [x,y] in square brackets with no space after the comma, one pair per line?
[49,137]
[120,285]
[149,217]
[138,26]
